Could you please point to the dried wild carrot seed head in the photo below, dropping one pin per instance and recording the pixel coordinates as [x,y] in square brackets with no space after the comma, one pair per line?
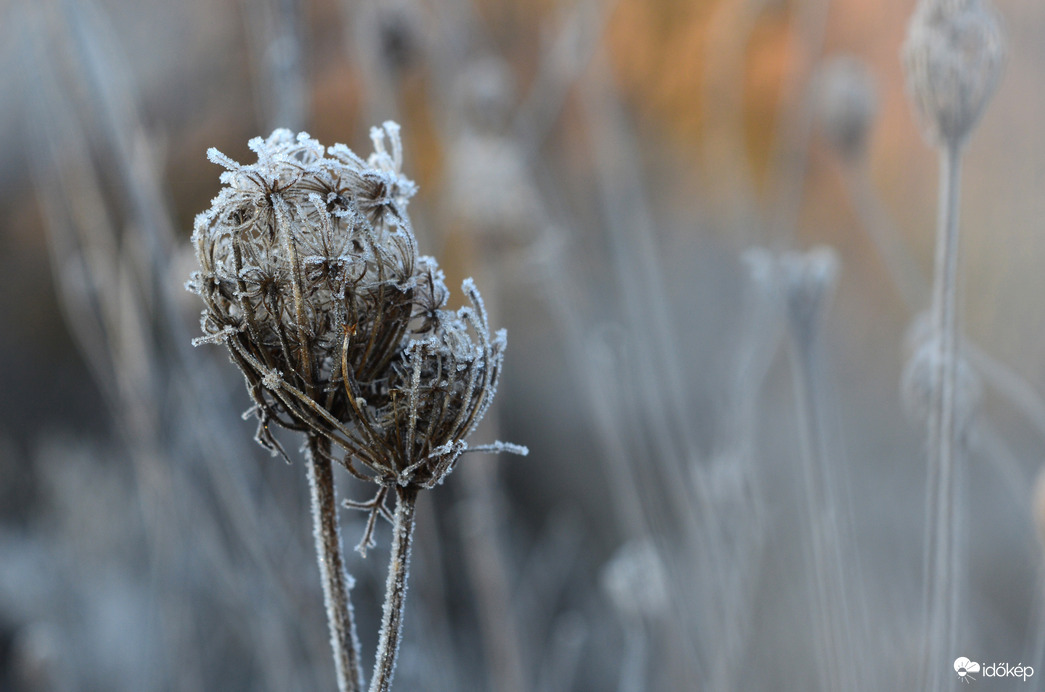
[310,276]
[953,58]
[437,392]
[298,250]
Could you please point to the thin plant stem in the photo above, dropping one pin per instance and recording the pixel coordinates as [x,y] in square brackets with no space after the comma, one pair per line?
[1036,636]
[832,606]
[490,576]
[634,660]
[336,584]
[942,486]
[395,589]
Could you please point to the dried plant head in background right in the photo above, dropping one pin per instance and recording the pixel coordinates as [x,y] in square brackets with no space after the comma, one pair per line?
[953,58]
[920,380]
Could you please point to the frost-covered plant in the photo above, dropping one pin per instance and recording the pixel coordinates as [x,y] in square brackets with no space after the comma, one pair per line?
[310,276]
[303,256]
[808,281]
[953,58]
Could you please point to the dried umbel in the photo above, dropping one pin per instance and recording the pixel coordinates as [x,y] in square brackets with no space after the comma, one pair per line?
[846,105]
[921,378]
[437,392]
[299,250]
[310,276]
[953,58]
[809,280]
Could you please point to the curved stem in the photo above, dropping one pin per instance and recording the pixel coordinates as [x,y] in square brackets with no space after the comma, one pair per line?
[395,590]
[336,583]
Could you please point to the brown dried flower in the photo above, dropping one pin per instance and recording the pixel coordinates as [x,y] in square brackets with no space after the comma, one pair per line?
[310,275]
[436,393]
[297,250]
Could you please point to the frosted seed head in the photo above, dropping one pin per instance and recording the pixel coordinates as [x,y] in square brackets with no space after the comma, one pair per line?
[292,273]
[921,378]
[953,59]
[809,280]
[846,105]
[635,580]
[310,275]
[437,393]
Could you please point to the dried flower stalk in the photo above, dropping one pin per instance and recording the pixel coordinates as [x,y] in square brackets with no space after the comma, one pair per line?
[310,276]
[953,58]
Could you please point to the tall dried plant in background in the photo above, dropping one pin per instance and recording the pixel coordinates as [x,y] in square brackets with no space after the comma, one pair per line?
[953,58]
